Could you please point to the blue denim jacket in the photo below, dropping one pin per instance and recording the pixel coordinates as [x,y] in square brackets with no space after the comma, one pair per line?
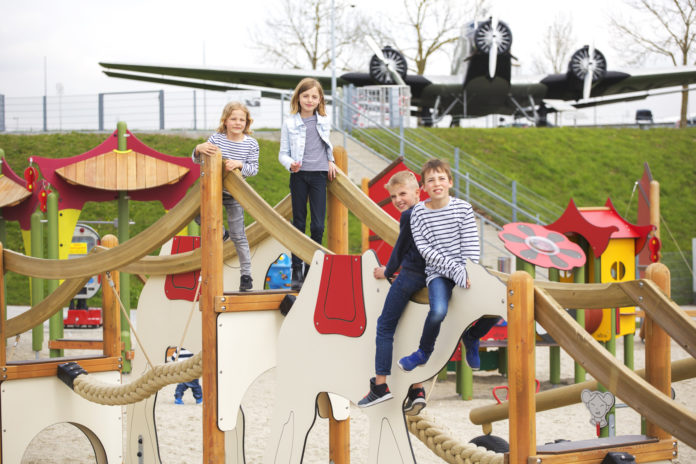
[292,139]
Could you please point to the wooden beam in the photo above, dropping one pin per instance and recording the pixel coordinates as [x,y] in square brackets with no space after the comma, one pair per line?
[521,367]
[49,368]
[111,314]
[211,285]
[649,451]
[265,300]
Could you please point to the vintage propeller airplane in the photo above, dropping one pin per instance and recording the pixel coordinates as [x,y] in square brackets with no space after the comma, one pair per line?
[480,83]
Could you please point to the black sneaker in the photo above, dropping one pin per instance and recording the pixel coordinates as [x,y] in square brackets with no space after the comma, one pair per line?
[297,279]
[377,394]
[415,401]
[245,283]
[225,235]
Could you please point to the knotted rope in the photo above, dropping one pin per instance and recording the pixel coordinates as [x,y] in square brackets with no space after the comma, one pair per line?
[448,448]
[145,386]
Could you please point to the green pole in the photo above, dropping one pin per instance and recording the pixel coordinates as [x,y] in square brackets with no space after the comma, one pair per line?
[554,351]
[628,350]
[194,229]
[55,323]
[123,236]
[37,285]
[579,278]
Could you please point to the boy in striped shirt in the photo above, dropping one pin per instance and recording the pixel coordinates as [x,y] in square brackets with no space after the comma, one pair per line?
[445,232]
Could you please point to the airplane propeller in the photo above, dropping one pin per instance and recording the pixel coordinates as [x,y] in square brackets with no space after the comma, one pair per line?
[495,38]
[387,66]
[587,65]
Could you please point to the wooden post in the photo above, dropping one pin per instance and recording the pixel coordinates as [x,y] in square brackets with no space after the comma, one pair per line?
[337,241]
[110,308]
[364,230]
[521,367]
[3,316]
[211,287]
[658,367]
[337,214]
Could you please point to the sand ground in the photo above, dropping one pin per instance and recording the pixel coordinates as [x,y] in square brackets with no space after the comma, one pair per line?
[179,426]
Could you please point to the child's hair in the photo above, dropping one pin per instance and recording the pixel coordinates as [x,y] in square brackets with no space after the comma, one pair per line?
[304,85]
[402,178]
[436,164]
[227,111]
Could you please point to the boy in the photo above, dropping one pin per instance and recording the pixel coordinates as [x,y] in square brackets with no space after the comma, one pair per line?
[404,193]
[445,233]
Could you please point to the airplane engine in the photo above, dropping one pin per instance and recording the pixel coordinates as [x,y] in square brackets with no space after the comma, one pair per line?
[587,67]
[379,70]
[487,34]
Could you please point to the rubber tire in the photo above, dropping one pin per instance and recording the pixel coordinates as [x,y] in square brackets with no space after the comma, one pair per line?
[492,443]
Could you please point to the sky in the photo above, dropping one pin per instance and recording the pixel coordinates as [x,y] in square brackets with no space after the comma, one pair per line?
[48,45]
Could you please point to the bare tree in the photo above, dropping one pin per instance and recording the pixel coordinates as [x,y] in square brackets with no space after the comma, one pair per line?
[297,34]
[661,27]
[555,46]
[427,27]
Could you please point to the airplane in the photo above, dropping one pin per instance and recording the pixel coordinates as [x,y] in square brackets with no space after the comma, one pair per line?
[480,83]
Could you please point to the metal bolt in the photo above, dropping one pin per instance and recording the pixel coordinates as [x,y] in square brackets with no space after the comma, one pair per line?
[640,298]
[224,308]
[220,325]
[4,369]
[512,306]
[640,284]
[223,299]
[512,292]
[221,372]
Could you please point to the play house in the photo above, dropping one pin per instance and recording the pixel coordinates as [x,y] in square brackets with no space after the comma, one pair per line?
[612,246]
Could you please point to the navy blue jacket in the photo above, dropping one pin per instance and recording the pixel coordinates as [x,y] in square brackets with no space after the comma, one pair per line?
[405,253]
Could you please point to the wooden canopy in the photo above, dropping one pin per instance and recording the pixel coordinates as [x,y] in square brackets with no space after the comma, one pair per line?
[122,171]
[11,193]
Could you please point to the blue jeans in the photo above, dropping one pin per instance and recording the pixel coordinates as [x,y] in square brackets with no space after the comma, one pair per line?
[304,186]
[404,286]
[193,385]
[439,294]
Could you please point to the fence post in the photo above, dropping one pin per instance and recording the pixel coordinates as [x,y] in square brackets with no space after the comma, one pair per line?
[101,111]
[514,201]
[2,113]
[45,117]
[161,109]
[195,125]
[456,170]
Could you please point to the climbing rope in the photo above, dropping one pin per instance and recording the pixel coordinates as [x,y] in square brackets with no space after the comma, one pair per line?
[448,448]
[145,386]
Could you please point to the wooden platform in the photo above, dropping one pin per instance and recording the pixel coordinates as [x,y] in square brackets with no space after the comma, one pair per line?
[643,448]
[11,193]
[122,171]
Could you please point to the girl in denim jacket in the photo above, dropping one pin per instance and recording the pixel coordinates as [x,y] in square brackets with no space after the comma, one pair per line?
[305,150]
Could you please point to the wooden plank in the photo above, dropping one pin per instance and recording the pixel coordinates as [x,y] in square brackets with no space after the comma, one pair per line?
[140,170]
[29,370]
[649,451]
[161,177]
[70,344]
[100,173]
[132,172]
[252,301]
[521,367]
[11,193]
[110,177]
[150,172]
[3,315]
[90,170]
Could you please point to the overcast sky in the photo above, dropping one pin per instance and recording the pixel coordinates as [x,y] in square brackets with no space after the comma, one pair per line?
[74,35]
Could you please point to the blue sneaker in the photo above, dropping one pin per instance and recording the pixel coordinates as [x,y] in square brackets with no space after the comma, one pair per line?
[178,401]
[472,353]
[413,360]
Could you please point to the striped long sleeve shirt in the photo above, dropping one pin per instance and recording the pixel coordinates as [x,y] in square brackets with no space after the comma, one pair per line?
[445,238]
[246,151]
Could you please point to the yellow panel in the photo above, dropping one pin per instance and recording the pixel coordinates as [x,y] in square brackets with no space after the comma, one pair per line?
[67,221]
[618,265]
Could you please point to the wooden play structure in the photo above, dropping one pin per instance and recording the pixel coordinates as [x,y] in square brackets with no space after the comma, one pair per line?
[317,330]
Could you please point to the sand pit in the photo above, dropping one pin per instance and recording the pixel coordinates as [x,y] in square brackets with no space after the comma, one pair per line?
[179,426]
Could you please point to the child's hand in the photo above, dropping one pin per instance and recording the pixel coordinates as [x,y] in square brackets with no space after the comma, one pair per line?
[206,148]
[295,166]
[468,283]
[233,164]
[379,272]
[333,170]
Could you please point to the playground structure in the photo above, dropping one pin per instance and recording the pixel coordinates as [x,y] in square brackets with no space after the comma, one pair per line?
[525,300]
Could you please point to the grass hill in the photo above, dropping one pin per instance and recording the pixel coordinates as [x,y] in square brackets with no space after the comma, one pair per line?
[585,164]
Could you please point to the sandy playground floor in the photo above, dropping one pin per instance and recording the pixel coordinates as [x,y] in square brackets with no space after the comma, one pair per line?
[179,426]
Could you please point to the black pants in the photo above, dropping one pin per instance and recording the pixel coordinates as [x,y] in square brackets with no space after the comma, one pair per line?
[304,186]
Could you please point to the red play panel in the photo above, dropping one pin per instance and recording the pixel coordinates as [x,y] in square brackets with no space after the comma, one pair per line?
[340,305]
[182,286]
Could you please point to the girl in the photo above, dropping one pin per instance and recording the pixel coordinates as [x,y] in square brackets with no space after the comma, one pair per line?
[305,150]
[239,151]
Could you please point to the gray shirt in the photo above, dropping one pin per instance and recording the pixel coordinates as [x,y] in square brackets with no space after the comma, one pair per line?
[314,158]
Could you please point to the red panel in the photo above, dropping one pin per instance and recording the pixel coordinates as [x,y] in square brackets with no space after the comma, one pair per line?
[340,306]
[182,286]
